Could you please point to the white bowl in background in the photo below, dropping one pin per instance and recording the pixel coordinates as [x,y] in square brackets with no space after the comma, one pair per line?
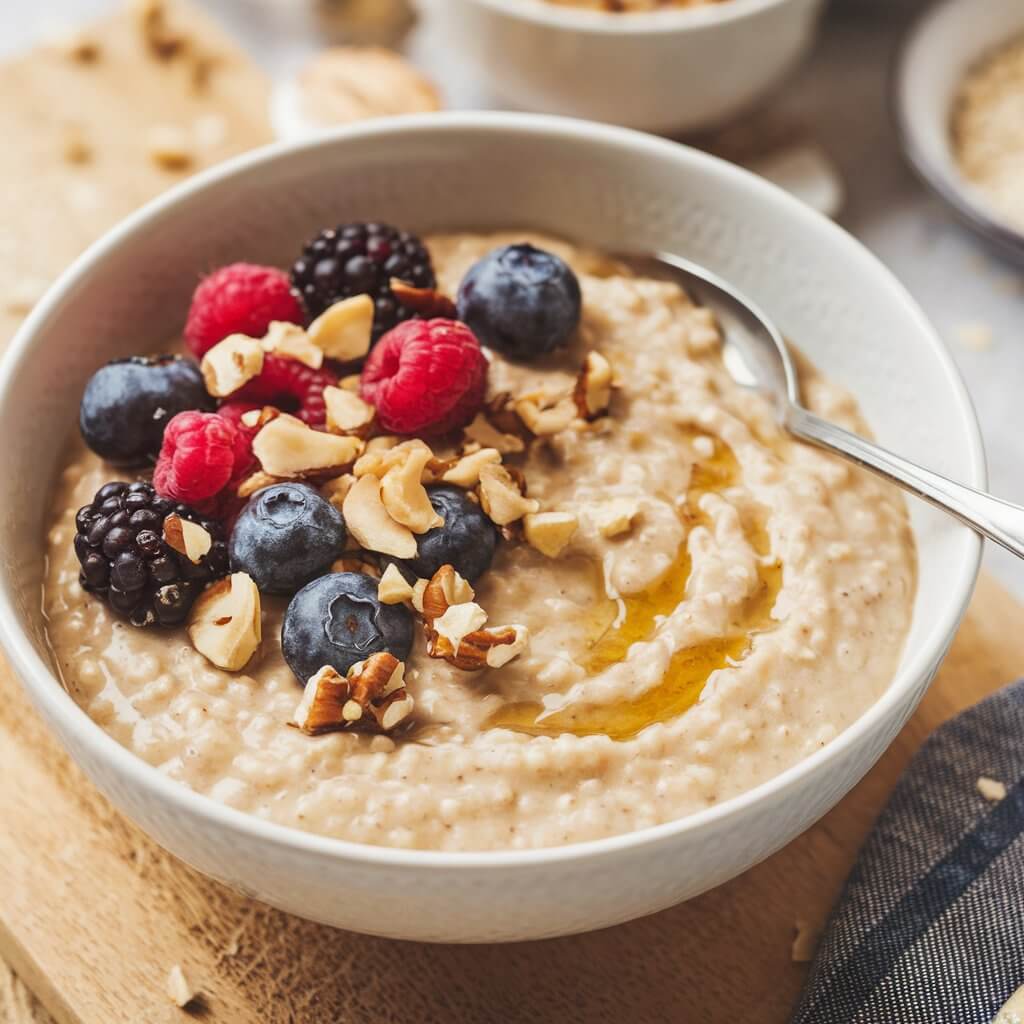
[941,48]
[670,71]
[601,185]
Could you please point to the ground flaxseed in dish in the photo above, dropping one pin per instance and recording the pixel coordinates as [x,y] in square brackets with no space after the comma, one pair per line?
[988,131]
[707,602]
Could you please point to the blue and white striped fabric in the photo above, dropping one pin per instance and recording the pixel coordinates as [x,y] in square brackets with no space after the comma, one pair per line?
[930,926]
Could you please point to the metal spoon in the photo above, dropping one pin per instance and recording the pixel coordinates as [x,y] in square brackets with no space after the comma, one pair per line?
[756,356]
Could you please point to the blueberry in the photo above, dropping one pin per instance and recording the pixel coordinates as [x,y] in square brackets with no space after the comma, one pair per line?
[522,301]
[128,402]
[286,536]
[337,620]
[466,541]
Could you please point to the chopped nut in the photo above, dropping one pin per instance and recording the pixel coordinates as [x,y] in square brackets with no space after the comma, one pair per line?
[403,493]
[352,563]
[352,382]
[335,490]
[230,364]
[169,147]
[445,588]
[393,588]
[615,516]
[483,648]
[546,416]
[483,432]
[343,331]
[991,789]
[178,988]
[419,589]
[458,621]
[187,538]
[501,497]
[550,532]
[382,443]
[288,447]
[593,392]
[260,417]
[379,459]
[466,472]
[372,694]
[370,524]
[224,624]
[347,413]
[256,482]
[290,342]
[426,302]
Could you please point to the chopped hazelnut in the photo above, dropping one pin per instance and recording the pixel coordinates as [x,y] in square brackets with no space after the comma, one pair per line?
[403,493]
[550,532]
[256,482]
[288,447]
[370,524]
[335,490]
[545,416]
[593,392]
[501,497]
[187,538]
[231,363]
[290,342]
[347,413]
[426,302]
[484,433]
[393,588]
[466,472]
[224,624]
[343,331]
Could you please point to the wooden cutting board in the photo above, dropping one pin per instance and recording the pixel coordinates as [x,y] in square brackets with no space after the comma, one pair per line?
[93,915]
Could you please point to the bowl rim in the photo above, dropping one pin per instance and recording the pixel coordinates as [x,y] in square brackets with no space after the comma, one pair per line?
[637,23]
[61,710]
[952,189]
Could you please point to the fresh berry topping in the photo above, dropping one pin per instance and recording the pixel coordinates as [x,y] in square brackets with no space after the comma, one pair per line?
[466,541]
[286,536]
[356,259]
[127,563]
[337,620]
[128,402]
[197,458]
[522,301]
[245,461]
[290,386]
[242,298]
[426,377]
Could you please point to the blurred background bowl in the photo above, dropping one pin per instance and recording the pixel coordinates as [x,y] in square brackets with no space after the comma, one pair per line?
[670,71]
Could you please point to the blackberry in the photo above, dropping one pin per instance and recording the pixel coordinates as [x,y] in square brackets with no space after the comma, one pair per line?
[126,562]
[357,259]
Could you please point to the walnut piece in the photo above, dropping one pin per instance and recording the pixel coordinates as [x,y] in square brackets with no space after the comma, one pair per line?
[370,524]
[290,448]
[225,624]
[290,342]
[501,496]
[231,363]
[550,532]
[593,392]
[546,415]
[371,695]
[347,413]
[426,302]
[343,331]
[393,588]
[187,538]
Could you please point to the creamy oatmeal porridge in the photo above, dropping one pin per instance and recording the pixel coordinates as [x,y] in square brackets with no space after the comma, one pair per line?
[715,603]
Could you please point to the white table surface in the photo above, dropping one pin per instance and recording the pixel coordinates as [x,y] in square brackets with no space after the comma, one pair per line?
[840,96]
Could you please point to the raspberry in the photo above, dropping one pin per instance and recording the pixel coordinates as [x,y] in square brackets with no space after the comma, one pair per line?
[242,298]
[245,461]
[197,458]
[357,259]
[291,386]
[426,377]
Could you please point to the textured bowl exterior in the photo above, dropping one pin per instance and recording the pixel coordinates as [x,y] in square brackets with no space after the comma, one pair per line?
[601,185]
[669,72]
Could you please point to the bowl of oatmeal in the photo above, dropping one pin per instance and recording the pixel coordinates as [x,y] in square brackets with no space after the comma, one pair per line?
[958,97]
[674,67]
[388,549]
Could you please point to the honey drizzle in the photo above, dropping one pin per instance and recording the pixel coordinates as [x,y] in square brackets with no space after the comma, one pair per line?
[689,668]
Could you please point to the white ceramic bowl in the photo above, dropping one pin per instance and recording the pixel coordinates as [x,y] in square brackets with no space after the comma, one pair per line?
[665,71]
[939,51]
[606,186]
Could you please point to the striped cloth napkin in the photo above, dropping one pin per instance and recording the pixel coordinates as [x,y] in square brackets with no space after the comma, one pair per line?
[930,925]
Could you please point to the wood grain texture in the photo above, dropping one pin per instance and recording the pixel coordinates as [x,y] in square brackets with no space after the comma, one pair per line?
[93,915]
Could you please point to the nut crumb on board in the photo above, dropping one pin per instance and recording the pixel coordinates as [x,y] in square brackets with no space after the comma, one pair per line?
[991,789]
[178,988]
[805,942]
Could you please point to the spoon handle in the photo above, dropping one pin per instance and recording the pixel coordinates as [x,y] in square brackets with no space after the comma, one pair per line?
[993,518]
